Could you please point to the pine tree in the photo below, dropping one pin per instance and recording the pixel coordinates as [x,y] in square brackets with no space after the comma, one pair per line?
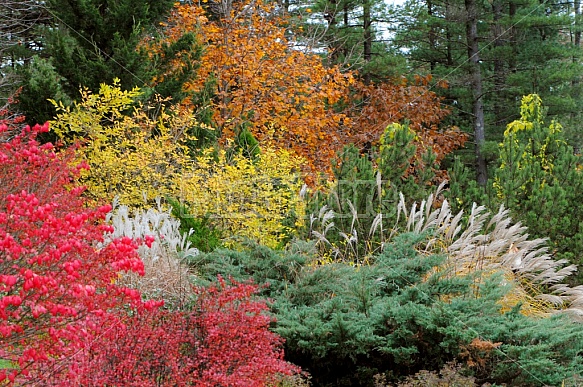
[352,34]
[540,180]
[350,218]
[515,48]
[92,42]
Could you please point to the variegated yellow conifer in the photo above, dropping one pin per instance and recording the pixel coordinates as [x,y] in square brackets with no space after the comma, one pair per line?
[540,181]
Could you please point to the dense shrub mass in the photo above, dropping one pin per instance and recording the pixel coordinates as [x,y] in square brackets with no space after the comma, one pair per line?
[248,193]
[56,272]
[132,155]
[63,317]
[223,341]
[227,188]
[434,290]
[350,326]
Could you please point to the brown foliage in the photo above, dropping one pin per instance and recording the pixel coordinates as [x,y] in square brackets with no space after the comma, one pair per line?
[401,101]
[477,353]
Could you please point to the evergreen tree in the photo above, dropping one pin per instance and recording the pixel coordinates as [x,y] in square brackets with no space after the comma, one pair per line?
[511,48]
[92,42]
[352,34]
[350,218]
[20,22]
[540,180]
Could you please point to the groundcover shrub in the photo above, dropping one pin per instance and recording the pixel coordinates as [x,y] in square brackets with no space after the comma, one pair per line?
[355,325]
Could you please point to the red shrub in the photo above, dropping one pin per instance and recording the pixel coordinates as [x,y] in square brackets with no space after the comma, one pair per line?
[224,342]
[64,321]
[54,272]
[231,340]
[8,116]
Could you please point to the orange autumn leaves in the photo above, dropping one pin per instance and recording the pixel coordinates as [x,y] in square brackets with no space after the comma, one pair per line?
[284,96]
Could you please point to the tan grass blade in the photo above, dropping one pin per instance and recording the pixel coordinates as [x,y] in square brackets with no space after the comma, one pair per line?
[492,242]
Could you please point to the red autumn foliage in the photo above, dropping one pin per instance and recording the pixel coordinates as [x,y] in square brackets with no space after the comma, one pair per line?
[53,271]
[8,116]
[224,341]
[63,319]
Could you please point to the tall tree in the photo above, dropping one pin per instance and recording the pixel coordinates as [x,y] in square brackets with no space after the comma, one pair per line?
[280,95]
[351,33]
[288,97]
[516,48]
[20,21]
[476,84]
[90,42]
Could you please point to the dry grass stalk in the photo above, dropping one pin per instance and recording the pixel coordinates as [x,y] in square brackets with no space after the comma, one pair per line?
[490,243]
[166,277]
[481,242]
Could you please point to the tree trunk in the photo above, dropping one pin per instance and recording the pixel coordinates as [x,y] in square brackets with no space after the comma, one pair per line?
[513,39]
[432,34]
[367,24]
[575,83]
[476,84]
[499,76]
[448,35]
[577,39]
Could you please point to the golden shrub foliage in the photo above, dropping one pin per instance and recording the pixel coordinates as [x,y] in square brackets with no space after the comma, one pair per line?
[255,199]
[137,159]
[130,154]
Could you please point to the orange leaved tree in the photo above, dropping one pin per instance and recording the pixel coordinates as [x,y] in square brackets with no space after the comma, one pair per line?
[261,83]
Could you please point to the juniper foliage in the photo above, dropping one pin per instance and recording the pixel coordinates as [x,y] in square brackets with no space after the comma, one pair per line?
[344,324]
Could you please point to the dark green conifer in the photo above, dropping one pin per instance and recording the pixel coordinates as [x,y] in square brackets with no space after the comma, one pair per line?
[91,42]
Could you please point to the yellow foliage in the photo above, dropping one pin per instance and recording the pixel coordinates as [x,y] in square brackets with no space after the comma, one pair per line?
[138,158]
[248,198]
[531,108]
[130,154]
[519,137]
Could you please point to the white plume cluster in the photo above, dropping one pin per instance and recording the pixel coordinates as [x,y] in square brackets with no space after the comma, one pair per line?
[166,276]
[488,243]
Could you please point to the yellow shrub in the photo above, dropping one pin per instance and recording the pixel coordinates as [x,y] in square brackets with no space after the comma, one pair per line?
[137,158]
[255,199]
[132,155]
